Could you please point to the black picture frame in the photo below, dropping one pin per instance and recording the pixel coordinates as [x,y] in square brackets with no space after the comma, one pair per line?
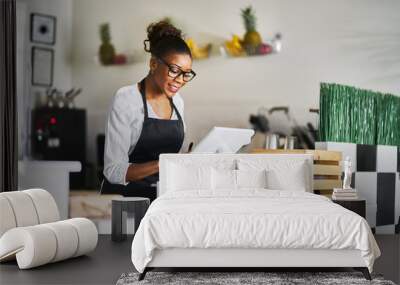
[42,66]
[43,28]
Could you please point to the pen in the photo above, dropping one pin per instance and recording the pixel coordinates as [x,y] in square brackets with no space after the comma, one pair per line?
[190,147]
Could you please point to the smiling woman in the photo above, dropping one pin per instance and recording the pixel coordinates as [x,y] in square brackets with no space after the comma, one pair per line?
[146,118]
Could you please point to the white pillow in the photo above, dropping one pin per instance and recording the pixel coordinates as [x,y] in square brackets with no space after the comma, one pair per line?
[251,178]
[294,179]
[184,177]
[223,179]
[282,174]
[236,179]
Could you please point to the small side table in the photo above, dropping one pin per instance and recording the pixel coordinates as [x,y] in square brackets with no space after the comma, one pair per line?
[120,207]
[357,206]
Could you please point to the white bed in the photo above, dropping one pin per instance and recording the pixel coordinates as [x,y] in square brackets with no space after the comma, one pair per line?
[198,226]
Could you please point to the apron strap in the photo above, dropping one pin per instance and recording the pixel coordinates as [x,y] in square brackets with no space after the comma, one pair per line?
[142,89]
[176,109]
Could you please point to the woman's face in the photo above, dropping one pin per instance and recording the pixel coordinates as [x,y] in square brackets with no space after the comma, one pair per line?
[165,70]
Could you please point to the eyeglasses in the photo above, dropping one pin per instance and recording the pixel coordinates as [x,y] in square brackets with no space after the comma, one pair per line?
[174,71]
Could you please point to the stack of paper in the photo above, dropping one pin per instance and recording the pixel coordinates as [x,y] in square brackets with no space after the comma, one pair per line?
[344,194]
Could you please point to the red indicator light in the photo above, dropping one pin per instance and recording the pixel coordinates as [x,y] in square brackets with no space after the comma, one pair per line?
[53,120]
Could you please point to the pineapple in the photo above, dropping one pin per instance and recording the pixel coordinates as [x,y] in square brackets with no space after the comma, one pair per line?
[106,50]
[252,39]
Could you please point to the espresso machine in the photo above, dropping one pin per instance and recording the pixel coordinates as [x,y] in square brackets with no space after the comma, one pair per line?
[59,133]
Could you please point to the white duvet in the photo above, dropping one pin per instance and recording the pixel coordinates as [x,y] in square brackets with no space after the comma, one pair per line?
[252,218]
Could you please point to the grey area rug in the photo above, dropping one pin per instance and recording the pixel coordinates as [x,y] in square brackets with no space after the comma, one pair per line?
[229,278]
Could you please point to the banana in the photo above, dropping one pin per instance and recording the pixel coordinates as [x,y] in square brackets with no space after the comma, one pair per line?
[198,52]
[234,46]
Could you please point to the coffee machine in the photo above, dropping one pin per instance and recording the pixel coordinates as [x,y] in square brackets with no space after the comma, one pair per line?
[60,134]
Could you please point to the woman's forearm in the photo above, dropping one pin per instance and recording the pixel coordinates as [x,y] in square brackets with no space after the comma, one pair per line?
[141,170]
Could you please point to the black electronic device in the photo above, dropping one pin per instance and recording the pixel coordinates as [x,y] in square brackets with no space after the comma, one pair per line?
[60,134]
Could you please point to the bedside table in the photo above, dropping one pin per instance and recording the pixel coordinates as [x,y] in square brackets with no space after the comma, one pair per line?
[357,206]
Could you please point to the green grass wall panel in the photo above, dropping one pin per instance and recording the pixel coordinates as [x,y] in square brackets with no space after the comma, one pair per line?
[388,120]
[349,114]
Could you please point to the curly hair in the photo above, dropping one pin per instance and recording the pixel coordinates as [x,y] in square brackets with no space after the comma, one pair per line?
[163,38]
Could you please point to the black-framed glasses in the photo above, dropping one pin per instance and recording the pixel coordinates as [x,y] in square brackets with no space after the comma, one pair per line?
[174,71]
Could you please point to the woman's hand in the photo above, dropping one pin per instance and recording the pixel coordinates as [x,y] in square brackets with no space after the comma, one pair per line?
[141,170]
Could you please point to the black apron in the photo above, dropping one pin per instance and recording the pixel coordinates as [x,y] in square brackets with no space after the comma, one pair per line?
[157,136]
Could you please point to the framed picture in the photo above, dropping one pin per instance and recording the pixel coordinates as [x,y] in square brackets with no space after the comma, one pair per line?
[42,66]
[43,29]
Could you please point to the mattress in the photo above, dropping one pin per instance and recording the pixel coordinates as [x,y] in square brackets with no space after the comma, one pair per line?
[251,219]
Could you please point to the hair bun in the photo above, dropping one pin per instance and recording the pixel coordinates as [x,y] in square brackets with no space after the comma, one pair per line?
[159,30]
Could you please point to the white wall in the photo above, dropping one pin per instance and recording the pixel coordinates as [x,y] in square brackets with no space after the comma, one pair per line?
[354,42]
[28,95]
